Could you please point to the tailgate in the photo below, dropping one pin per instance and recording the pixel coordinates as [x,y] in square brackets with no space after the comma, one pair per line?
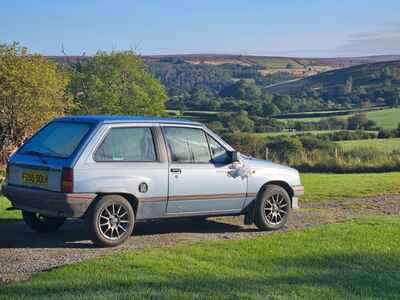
[43,177]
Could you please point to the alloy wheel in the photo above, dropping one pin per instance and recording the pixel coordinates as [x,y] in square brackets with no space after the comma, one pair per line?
[113,221]
[275,208]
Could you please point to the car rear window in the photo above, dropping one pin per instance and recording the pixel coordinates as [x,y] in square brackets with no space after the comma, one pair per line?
[57,139]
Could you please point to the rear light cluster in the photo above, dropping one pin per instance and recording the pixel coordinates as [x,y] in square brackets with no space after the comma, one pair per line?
[67,180]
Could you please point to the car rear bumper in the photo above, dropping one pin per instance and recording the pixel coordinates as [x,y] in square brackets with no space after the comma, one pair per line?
[47,202]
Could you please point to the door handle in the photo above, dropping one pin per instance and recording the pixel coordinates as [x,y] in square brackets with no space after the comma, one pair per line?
[176,170]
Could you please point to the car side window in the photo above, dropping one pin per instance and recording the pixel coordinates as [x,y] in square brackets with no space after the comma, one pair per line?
[187,145]
[127,144]
[218,153]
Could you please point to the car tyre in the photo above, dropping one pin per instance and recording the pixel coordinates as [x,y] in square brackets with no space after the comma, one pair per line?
[272,208]
[110,221]
[41,223]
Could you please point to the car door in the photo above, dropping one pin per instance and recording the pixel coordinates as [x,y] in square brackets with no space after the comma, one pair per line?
[201,182]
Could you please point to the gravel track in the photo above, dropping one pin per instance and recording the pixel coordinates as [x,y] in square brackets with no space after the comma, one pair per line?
[24,252]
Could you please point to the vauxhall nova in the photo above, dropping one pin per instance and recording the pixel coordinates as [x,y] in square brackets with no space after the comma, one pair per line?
[115,171]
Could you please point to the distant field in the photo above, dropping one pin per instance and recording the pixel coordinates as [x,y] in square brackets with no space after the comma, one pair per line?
[327,187]
[386,145]
[266,134]
[386,118]
[273,62]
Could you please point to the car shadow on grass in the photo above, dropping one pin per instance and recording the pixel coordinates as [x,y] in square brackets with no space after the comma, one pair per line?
[73,233]
[195,225]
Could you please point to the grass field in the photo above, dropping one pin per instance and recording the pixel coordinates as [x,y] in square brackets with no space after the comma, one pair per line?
[385,145]
[386,118]
[357,259]
[266,134]
[273,62]
[324,187]
[319,187]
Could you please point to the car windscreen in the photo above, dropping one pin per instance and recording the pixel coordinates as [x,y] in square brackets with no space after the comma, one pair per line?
[57,139]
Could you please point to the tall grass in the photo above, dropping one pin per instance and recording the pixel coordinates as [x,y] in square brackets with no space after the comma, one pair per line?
[357,160]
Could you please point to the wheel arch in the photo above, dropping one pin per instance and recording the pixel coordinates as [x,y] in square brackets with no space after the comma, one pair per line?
[283,184]
[133,201]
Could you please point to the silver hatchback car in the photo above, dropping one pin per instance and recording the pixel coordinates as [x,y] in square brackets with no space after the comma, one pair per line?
[115,171]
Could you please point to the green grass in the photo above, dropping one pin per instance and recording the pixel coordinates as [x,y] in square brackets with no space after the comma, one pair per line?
[266,134]
[359,259]
[385,145]
[324,187]
[387,118]
[273,62]
[7,215]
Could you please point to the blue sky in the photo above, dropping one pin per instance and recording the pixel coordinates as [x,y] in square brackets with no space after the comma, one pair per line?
[280,27]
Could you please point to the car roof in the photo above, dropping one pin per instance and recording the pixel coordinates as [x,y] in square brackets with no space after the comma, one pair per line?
[125,119]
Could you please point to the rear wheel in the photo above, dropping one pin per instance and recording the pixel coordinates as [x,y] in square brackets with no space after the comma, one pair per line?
[110,221]
[272,208]
[41,223]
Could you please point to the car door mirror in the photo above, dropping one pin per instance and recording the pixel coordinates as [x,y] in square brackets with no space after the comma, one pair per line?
[235,156]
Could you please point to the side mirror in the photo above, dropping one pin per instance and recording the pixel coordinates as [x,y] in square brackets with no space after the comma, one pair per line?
[235,156]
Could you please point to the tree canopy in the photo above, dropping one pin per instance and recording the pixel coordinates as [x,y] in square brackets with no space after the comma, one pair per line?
[32,92]
[116,83]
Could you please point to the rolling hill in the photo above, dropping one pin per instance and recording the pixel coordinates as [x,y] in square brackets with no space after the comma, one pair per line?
[364,75]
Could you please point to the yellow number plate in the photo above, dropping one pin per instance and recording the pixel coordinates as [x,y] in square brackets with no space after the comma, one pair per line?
[35,178]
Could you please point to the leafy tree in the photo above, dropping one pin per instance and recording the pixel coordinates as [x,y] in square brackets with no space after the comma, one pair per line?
[285,148]
[348,87]
[216,126]
[116,83]
[243,89]
[242,122]
[284,102]
[289,66]
[311,142]
[398,130]
[392,97]
[358,121]
[32,92]
[245,143]
[270,109]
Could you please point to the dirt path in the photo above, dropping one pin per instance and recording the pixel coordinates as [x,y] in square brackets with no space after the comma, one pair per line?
[23,252]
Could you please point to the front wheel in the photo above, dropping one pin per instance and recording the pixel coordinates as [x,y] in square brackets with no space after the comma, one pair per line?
[41,223]
[110,221]
[272,208]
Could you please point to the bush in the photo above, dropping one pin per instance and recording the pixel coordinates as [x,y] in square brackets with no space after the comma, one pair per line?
[311,143]
[360,160]
[386,134]
[347,135]
[245,143]
[285,149]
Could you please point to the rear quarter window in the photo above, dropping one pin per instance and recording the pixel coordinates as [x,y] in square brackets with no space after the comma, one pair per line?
[127,144]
